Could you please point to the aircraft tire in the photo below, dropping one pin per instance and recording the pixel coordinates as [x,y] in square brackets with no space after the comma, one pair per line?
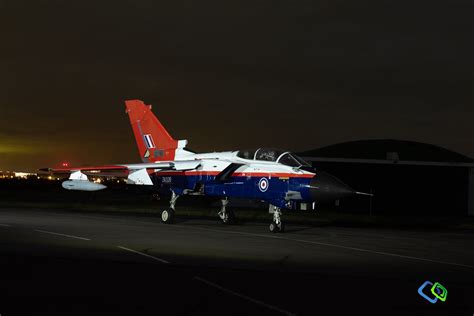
[167,216]
[229,218]
[273,227]
[281,227]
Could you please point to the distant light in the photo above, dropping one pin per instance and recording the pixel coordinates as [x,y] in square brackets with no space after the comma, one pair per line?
[23,175]
[50,178]
[65,164]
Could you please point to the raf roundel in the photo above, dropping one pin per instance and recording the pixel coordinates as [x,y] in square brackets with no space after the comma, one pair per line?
[263,184]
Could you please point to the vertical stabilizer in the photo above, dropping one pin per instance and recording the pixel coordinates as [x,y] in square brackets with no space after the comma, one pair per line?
[153,140]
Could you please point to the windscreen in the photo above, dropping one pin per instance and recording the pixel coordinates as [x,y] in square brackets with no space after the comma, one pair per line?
[292,160]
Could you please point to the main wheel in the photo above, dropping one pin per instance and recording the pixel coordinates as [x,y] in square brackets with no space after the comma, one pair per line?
[274,227]
[281,227]
[229,218]
[167,216]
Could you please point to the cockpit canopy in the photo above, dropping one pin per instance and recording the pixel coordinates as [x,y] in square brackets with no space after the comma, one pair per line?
[275,155]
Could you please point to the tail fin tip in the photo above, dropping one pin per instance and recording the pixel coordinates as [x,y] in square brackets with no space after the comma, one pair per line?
[153,140]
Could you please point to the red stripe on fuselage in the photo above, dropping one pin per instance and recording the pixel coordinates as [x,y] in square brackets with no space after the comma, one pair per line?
[236,174]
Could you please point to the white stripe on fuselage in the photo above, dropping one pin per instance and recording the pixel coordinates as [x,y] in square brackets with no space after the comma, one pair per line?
[218,161]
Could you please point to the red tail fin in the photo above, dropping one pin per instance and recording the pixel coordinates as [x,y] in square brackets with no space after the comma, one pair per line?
[153,140]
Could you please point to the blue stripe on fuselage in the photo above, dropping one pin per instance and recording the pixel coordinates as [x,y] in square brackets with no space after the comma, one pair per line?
[236,187]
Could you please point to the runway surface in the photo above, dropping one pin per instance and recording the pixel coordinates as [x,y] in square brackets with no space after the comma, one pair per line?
[69,263]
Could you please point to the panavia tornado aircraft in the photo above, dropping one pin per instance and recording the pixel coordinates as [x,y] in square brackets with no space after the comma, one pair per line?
[278,177]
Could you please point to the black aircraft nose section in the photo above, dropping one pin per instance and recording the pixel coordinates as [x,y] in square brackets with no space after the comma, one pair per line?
[327,187]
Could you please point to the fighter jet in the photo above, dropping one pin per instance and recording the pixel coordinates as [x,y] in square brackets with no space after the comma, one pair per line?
[278,177]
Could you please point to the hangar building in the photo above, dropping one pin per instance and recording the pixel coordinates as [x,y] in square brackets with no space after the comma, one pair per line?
[405,177]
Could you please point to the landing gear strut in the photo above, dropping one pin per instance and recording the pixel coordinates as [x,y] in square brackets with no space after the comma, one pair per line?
[226,216]
[167,216]
[277,225]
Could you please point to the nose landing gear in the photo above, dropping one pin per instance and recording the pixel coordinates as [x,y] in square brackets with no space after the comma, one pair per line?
[277,224]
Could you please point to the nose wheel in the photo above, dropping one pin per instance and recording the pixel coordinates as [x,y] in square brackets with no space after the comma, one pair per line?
[277,225]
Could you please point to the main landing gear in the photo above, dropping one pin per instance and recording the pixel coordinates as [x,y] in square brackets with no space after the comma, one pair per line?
[167,216]
[276,225]
[226,216]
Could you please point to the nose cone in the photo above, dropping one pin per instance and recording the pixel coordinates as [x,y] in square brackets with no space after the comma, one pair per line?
[327,187]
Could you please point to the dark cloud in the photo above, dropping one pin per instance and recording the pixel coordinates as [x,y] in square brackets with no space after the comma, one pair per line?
[229,74]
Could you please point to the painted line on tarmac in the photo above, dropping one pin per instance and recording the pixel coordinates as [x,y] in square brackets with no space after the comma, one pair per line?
[5,225]
[384,253]
[63,235]
[144,254]
[245,297]
[342,247]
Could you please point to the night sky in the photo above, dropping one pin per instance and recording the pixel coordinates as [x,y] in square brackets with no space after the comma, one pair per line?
[231,74]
